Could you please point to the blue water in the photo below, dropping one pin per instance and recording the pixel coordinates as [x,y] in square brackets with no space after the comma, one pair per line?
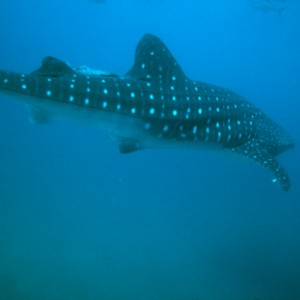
[80,221]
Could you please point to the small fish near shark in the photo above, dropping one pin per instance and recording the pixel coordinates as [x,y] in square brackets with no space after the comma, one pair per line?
[154,105]
[98,1]
[269,5]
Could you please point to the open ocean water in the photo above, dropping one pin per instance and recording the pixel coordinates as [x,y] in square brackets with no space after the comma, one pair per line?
[80,221]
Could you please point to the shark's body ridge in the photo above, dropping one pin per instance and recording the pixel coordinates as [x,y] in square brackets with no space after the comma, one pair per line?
[153,104]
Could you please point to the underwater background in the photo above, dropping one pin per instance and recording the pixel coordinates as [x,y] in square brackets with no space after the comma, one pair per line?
[78,220]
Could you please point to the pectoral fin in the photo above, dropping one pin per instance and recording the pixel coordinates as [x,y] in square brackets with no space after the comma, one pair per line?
[129,145]
[39,115]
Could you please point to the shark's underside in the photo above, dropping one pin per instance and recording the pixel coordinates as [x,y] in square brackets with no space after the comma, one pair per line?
[154,104]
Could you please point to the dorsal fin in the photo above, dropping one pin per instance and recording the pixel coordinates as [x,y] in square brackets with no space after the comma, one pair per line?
[53,67]
[154,62]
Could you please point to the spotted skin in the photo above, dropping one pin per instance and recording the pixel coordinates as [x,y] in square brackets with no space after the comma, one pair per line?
[162,105]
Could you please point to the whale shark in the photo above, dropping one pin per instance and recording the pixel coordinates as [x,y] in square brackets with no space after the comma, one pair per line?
[153,105]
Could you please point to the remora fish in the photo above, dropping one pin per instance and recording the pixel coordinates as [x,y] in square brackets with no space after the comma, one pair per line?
[154,104]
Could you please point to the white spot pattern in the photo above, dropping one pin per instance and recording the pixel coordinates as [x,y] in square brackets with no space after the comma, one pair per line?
[183,109]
